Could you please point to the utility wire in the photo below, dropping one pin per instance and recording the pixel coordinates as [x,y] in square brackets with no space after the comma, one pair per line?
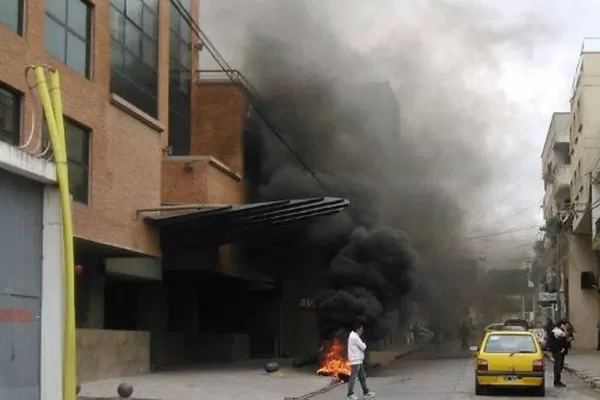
[504,232]
[237,78]
[505,219]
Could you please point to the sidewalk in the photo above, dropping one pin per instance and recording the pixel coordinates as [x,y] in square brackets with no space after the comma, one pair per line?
[585,364]
[224,382]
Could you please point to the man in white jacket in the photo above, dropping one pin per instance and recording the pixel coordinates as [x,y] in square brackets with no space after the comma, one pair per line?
[356,357]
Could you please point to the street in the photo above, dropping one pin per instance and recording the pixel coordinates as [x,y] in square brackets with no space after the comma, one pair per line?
[427,376]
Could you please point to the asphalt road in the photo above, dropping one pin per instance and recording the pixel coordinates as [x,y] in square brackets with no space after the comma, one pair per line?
[431,375]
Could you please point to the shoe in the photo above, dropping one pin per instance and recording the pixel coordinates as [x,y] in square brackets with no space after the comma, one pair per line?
[559,385]
[352,397]
[370,395]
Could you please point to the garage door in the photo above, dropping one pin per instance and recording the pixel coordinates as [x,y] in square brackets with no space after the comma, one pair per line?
[21,203]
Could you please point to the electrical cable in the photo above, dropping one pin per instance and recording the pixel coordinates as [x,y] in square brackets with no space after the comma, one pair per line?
[510,216]
[237,78]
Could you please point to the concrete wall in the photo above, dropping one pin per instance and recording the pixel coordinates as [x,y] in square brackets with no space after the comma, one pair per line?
[107,354]
[172,349]
[583,305]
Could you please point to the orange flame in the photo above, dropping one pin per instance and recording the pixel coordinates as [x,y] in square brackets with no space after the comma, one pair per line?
[335,361]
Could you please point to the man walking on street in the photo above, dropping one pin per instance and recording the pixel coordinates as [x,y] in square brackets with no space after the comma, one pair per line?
[558,346]
[356,357]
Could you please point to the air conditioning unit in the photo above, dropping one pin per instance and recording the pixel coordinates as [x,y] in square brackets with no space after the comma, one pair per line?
[588,280]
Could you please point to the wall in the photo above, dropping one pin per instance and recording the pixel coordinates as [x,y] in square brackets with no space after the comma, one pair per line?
[200,180]
[170,349]
[106,354]
[585,144]
[52,298]
[126,148]
[51,342]
[219,113]
[583,305]
[299,325]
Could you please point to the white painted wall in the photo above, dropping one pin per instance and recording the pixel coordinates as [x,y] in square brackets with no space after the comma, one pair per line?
[584,304]
[40,170]
[52,298]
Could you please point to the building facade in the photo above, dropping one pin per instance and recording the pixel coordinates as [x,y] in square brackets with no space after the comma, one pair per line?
[31,308]
[574,267]
[156,172]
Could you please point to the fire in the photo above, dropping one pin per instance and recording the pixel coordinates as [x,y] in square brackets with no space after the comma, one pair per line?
[335,361]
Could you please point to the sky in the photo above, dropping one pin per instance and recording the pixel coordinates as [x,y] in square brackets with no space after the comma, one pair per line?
[530,78]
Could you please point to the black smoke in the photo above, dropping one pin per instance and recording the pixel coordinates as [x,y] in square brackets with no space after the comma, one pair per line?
[396,126]
[372,270]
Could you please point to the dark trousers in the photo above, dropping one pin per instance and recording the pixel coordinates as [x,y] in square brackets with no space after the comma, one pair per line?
[559,363]
[358,371]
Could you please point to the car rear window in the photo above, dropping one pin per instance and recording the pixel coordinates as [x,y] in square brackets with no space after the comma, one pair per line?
[510,344]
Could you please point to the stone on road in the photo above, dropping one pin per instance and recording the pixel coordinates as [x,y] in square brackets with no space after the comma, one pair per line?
[431,377]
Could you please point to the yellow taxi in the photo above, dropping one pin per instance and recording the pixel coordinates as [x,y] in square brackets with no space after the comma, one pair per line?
[506,359]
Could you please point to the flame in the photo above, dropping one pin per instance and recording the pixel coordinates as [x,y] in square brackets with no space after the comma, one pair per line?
[335,361]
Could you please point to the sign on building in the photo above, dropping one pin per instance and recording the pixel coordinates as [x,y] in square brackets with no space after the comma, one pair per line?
[306,303]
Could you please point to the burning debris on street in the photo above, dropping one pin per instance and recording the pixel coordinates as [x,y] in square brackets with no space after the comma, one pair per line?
[334,361]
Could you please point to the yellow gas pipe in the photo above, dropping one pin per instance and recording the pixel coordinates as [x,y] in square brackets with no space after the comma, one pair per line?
[52,103]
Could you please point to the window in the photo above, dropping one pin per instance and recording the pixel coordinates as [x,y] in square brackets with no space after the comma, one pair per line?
[67,33]
[180,76]
[10,116]
[510,344]
[11,16]
[134,53]
[78,156]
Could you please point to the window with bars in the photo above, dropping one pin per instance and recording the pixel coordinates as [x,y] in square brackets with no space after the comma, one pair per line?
[180,80]
[67,33]
[134,53]
[11,16]
[10,115]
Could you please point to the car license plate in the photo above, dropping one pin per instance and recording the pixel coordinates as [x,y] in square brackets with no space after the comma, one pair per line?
[511,378]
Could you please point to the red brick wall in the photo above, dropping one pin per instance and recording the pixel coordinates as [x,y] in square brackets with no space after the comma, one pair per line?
[126,154]
[218,115]
[201,183]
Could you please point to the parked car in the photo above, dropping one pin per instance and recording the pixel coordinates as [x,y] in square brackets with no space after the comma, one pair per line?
[507,359]
[498,326]
[517,322]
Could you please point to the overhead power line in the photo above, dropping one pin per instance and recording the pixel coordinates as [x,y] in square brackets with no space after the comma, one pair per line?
[503,233]
[237,78]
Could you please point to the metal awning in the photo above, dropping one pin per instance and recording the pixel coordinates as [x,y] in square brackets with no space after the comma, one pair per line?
[238,218]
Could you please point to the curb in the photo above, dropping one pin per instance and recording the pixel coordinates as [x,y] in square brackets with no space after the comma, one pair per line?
[336,383]
[593,381]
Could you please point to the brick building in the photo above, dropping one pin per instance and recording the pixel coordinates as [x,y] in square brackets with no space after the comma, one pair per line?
[156,171]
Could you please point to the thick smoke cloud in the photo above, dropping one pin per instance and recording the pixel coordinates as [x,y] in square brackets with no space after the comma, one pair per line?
[388,113]
[366,275]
